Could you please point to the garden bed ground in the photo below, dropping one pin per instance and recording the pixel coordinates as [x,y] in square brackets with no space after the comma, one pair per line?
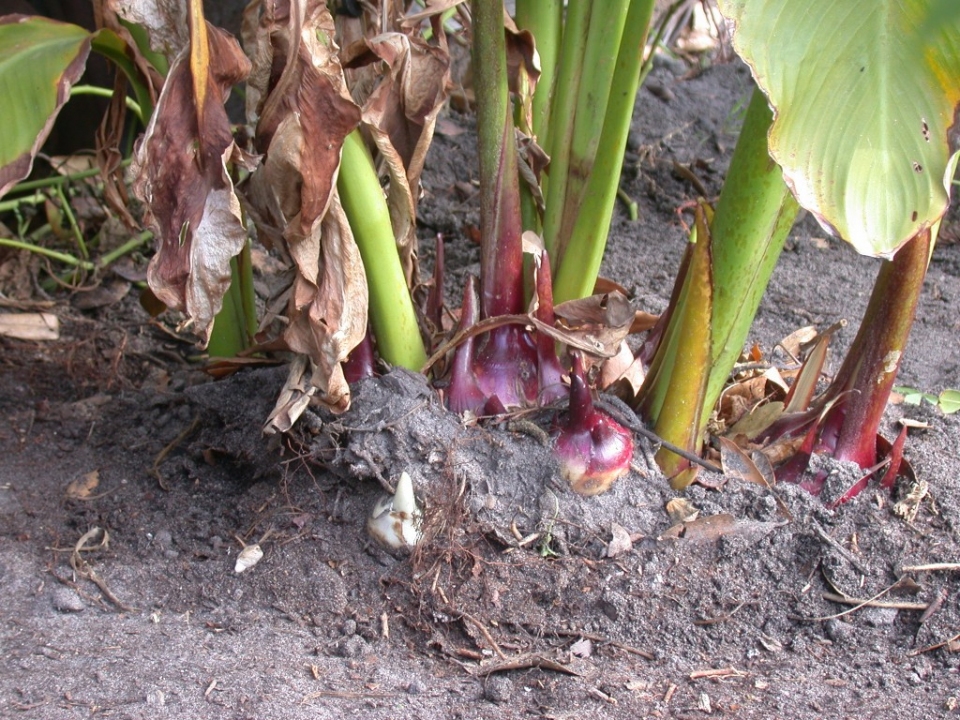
[728,622]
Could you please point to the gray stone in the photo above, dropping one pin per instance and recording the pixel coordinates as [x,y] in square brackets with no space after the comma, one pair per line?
[499,689]
[66,600]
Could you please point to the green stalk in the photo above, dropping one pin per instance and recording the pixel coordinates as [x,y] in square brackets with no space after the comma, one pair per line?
[752,221]
[742,244]
[228,335]
[501,253]
[578,268]
[52,254]
[676,382]
[543,18]
[248,296]
[558,133]
[129,246]
[236,323]
[392,313]
[72,219]
[131,104]
[575,157]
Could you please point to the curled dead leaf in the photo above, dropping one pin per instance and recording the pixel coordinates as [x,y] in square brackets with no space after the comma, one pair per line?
[181,173]
[83,486]
[303,111]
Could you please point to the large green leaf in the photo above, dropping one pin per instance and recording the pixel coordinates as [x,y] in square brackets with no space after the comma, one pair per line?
[863,101]
[40,60]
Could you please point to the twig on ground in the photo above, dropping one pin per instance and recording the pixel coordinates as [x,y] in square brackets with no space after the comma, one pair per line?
[720,618]
[936,646]
[930,567]
[715,673]
[168,449]
[846,554]
[82,569]
[859,602]
[486,634]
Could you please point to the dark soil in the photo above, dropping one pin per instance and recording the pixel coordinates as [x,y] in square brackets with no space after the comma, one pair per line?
[728,621]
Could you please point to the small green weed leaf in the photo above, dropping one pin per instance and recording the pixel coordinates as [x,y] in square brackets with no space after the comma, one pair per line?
[40,60]
[949,401]
[912,396]
[863,96]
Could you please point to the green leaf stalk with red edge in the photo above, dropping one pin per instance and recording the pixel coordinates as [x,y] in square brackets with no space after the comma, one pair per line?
[722,280]
[849,413]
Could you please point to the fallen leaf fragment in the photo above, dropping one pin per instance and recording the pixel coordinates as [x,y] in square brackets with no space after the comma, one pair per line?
[248,557]
[682,510]
[30,326]
[621,542]
[81,488]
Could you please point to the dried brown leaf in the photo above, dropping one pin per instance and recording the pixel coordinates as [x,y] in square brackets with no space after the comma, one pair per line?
[181,173]
[601,320]
[303,110]
[737,463]
[400,113]
[164,20]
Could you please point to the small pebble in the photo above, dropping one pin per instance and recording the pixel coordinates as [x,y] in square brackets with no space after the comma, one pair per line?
[164,539]
[417,687]
[351,647]
[66,600]
[839,631]
[879,617]
[499,689]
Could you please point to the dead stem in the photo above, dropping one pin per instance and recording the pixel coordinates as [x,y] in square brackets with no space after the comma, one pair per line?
[168,449]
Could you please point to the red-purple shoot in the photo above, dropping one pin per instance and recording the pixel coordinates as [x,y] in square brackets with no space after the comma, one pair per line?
[593,448]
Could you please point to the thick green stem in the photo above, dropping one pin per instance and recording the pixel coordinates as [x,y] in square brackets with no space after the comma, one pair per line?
[752,221]
[236,323]
[543,18]
[573,161]
[558,134]
[745,237]
[870,368]
[580,263]
[392,313]
[501,254]
[228,336]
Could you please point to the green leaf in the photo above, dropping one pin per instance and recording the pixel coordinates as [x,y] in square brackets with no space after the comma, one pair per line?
[40,60]
[863,100]
[949,401]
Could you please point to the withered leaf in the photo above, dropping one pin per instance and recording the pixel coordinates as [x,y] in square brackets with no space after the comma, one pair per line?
[304,112]
[164,20]
[737,463]
[181,173]
[400,113]
[603,320]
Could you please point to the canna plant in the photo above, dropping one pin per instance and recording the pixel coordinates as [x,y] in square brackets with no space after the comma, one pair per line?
[880,178]
[342,115]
